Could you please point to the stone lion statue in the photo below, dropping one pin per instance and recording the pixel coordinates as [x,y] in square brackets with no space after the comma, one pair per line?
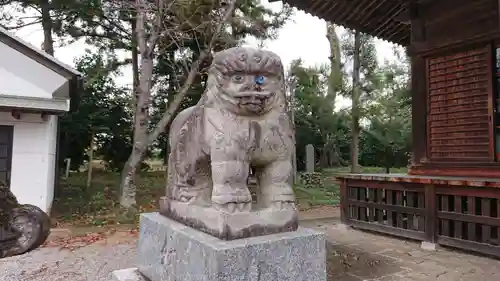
[240,123]
[23,227]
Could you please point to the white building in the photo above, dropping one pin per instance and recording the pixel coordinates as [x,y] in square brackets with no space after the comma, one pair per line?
[35,89]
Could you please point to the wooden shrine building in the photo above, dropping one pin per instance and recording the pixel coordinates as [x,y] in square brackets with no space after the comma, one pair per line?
[451,195]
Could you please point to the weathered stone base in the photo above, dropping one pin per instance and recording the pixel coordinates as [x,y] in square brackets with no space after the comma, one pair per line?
[171,251]
[230,226]
[428,246]
[128,274]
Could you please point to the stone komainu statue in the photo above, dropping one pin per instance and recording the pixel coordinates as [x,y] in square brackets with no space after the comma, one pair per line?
[23,227]
[240,122]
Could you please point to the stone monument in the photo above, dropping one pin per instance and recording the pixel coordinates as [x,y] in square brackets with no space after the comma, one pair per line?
[310,158]
[208,227]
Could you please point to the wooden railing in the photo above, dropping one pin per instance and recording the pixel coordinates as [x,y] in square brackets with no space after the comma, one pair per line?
[457,216]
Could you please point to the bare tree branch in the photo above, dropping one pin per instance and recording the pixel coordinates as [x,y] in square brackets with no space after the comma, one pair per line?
[170,26]
[19,26]
[157,26]
[160,127]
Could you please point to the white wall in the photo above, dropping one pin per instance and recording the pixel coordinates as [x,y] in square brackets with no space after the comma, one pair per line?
[15,63]
[33,158]
[13,85]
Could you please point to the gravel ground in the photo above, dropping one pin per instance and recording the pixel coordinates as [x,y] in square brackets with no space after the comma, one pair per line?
[91,263]
[355,256]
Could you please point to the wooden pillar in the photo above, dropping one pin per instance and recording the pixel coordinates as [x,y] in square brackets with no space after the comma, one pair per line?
[419,109]
[418,85]
[343,202]
[416,21]
[498,13]
[430,213]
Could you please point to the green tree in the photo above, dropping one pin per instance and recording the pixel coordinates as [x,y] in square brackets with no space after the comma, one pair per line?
[315,120]
[101,110]
[360,49]
[113,25]
[387,139]
[161,25]
[53,15]
[171,70]
[330,152]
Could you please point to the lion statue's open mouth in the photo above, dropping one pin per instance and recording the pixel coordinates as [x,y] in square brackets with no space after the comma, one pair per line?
[254,102]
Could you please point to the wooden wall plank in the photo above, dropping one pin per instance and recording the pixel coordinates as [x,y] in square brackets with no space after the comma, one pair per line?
[459,113]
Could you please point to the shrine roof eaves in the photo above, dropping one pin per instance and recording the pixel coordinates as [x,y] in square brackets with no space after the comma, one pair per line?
[384,19]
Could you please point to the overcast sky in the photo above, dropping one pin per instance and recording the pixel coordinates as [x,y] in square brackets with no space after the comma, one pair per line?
[303,37]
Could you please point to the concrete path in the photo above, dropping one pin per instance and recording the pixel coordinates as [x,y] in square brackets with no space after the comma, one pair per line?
[356,255]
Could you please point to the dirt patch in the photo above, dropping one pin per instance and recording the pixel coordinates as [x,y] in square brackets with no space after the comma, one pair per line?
[320,212]
[345,264]
[72,241]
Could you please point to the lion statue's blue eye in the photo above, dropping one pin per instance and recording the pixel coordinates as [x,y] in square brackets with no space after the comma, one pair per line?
[259,80]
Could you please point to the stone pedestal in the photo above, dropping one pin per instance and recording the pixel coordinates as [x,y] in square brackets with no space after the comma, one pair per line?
[230,226]
[310,158]
[170,251]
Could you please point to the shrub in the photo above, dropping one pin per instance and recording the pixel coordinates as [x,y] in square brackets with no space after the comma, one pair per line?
[311,180]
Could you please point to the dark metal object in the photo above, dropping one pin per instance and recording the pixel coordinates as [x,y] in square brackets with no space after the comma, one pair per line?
[23,228]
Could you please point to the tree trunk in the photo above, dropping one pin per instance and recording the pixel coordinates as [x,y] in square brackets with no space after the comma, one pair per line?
[135,64]
[323,158]
[141,137]
[141,118]
[335,156]
[48,47]
[335,77]
[127,185]
[334,83]
[356,110]
[91,159]
[388,160]
[48,41]
[333,159]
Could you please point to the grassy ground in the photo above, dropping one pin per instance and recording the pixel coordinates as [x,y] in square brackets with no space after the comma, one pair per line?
[98,205]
